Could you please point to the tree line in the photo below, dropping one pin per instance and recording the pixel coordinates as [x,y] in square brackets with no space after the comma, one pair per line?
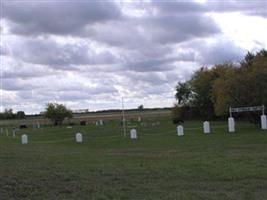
[9,114]
[211,91]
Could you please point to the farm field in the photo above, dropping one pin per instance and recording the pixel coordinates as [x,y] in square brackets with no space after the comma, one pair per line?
[158,165]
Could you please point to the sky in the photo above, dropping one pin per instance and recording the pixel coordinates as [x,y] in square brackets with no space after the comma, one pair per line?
[90,54]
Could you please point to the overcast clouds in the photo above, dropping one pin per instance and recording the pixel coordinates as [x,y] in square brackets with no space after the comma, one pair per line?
[88,54]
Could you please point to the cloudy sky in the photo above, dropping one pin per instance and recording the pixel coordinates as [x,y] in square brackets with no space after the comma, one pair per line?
[88,54]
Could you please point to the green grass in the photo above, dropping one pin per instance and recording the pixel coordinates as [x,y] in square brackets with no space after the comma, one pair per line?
[158,165]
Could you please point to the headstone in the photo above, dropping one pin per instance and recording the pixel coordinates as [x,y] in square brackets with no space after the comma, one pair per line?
[79,138]
[14,133]
[1,131]
[231,124]
[263,122]
[96,123]
[38,125]
[180,130]
[101,122]
[133,134]
[24,139]
[7,133]
[206,127]
[139,119]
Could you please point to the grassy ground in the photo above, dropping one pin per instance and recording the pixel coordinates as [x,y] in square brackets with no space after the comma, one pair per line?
[158,165]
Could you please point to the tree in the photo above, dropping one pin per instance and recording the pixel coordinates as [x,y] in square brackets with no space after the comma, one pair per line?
[57,113]
[7,114]
[213,90]
[201,84]
[220,96]
[20,115]
[141,107]
[183,93]
[249,83]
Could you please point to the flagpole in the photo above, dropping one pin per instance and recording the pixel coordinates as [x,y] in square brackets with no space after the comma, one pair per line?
[123,117]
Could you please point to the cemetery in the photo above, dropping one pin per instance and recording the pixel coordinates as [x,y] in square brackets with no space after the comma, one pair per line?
[96,161]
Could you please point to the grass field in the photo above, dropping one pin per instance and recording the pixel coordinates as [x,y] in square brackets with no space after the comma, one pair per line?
[158,165]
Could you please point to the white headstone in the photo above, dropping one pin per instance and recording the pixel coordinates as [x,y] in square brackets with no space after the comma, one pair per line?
[133,134]
[24,139]
[263,122]
[180,130]
[96,123]
[79,138]
[139,119]
[1,131]
[7,133]
[206,127]
[38,125]
[231,124]
[101,122]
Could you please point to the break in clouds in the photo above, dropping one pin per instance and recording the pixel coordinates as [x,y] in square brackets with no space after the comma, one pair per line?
[88,54]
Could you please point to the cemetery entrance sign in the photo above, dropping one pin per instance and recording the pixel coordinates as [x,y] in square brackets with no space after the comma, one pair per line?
[247,109]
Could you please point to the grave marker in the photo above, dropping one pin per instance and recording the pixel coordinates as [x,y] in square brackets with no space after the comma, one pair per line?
[79,138]
[206,127]
[14,133]
[24,139]
[231,124]
[263,122]
[133,134]
[180,130]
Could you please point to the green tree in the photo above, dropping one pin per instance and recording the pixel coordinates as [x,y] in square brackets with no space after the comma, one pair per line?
[220,96]
[249,83]
[141,107]
[7,114]
[201,84]
[183,93]
[20,115]
[57,113]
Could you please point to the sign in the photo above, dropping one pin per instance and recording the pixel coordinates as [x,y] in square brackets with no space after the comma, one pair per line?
[247,109]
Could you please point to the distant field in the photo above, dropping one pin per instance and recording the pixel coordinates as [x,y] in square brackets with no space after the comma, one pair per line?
[158,165]
[90,117]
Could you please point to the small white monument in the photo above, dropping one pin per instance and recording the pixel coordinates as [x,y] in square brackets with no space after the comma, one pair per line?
[101,122]
[206,127]
[133,134]
[180,130]
[139,119]
[7,133]
[263,122]
[24,139]
[231,124]
[79,138]
[96,123]
[38,125]
[1,131]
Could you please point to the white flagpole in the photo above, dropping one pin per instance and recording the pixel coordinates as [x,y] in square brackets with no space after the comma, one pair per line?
[123,117]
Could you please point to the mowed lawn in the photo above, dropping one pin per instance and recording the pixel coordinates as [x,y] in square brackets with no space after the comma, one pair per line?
[158,165]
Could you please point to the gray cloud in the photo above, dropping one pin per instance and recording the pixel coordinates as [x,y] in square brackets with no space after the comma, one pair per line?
[256,7]
[56,17]
[92,53]
[59,56]
[218,51]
